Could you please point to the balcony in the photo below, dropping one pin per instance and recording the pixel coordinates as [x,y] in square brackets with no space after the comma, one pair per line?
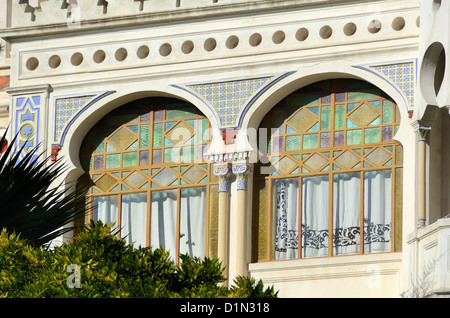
[430,268]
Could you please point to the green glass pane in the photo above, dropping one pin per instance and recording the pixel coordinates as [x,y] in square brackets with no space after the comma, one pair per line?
[157,135]
[133,146]
[310,141]
[144,141]
[363,94]
[130,159]
[354,137]
[180,113]
[113,161]
[325,118]
[339,117]
[371,135]
[203,130]
[293,143]
[171,155]
[388,114]
[187,154]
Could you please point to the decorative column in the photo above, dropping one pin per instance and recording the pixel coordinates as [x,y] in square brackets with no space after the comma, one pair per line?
[241,170]
[223,172]
[422,132]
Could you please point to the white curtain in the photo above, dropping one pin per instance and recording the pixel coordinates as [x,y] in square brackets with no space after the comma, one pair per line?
[106,209]
[164,220]
[193,221]
[377,211]
[346,213]
[286,216]
[134,218]
[315,193]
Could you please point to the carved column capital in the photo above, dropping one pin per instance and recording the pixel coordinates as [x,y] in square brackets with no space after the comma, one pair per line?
[242,170]
[223,172]
[422,129]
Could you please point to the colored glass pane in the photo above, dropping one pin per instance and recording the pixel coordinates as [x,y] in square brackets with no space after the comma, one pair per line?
[105,182]
[203,130]
[171,155]
[144,136]
[293,143]
[277,144]
[339,116]
[285,165]
[143,158]
[363,94]
[378,156]
[181,132]
[157,156]
[194,173]
[112,161]
[122,138]
[315,162]
[157,135]
[347,159]
[325,118]
[187,154]
[180,113]
[364,114]
[388,112]
[164,177]
[354,137]
[303,120]
[325,140]
[135,179]
[371,135]
[311,141]
[339,138]
[129,159]
[98,162]
[158,115]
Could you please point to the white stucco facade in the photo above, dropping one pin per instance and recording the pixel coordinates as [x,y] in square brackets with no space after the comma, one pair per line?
[118,51]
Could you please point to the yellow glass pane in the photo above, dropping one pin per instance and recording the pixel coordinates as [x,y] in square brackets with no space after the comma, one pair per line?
[364,114]
[122,138]
[135,179]
[106,182]
[347,159]
[378,156]
[315,162]
[303,120]
[285,165]
[181,132]
[194,174]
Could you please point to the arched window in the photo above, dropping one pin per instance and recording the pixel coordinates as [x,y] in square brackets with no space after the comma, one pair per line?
[148,175]
[332,182]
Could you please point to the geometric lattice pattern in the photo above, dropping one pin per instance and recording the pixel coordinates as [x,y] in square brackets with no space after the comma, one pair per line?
[403,75]
[329,126]
[67,108]
[229,97]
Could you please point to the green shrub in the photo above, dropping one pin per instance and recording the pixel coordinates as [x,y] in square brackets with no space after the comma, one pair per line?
[108,267]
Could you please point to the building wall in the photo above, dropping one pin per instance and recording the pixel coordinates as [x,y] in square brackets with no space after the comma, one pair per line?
[108,57]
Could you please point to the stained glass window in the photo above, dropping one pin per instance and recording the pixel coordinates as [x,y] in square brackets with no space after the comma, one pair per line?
[335,173]
[148,172]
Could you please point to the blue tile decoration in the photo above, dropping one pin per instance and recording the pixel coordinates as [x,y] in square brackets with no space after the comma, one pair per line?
[68,107]
[402,75]
[230,98]
[28,114]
